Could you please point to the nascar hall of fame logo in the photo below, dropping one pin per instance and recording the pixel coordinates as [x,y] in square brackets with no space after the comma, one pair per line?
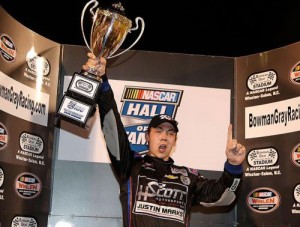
[295,74]
[7,48]
[28,185]
[263,200]
[19,221]
[295,155]
[3,137]
[140,104]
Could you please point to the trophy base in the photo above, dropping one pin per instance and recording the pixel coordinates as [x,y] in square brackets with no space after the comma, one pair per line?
[78,104]
[75,112]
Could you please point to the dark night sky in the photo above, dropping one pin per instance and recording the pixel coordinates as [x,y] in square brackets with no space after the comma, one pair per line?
[219,28]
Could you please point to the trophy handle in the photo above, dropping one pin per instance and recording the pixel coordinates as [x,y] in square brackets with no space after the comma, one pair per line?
[137,39]
[82,18]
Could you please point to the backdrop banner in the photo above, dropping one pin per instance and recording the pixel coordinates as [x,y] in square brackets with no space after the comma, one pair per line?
[29,66]
[268,116]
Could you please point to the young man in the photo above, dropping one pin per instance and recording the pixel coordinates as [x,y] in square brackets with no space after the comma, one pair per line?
[153,190]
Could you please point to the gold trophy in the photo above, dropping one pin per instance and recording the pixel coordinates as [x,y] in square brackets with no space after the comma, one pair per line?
[109,30]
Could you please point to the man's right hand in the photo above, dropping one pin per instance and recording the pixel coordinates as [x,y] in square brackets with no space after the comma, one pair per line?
[95,65]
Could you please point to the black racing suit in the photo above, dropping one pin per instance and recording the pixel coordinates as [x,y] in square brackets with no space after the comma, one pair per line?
[155,192]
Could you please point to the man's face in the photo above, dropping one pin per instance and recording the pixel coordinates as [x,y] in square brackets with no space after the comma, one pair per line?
[161,140]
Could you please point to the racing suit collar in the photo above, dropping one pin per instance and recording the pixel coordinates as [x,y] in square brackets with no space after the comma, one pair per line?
[156,160]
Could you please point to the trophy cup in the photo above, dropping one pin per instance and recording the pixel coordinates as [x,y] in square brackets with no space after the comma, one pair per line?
[108,31]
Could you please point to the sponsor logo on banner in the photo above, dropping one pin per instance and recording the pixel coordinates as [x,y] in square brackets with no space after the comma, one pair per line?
[262,80]
[295,74]
[23,101]
[262,157]
[273,118]
[1,177]
[31,148]
[262,85]
[296,206]
[7,48]
[21,221]
[139,105]
[3,137]
[38,68]
[297,193]
[28,185]
[31,143]
[262,162]
[263,200]
[295,155]
[1,184]
[151,196]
